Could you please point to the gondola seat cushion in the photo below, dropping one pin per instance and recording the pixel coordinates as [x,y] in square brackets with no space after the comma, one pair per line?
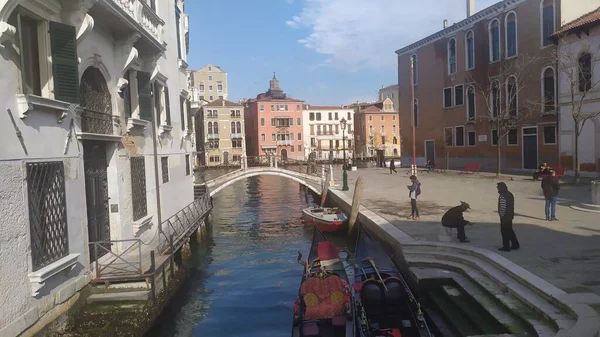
[324,297]
[338,321]
[310,329]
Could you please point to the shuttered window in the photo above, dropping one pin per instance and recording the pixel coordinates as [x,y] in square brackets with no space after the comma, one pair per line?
[127,96]
[182,112]
[189,114]
[145,95]
[65,66]
[167,106]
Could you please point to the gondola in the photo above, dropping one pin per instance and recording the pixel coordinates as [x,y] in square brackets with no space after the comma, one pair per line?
[324,305]
[384,304]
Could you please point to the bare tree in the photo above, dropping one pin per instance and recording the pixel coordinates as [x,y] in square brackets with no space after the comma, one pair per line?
[501,89]
[575,62]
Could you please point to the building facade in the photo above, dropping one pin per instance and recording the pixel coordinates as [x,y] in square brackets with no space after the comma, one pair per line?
[392,92]
[500,60]
[274,124]
[579,54]
[80,141]
[323,136]
[377,130]
[223,140]
[211,82]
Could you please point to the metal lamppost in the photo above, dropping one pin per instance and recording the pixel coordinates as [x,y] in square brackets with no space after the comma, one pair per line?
[345,174]
[412,115]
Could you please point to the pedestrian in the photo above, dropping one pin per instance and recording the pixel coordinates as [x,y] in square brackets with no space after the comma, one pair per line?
[542,171]
[414,189]
[506,211]
[454,218]
[392,166]
[550,188]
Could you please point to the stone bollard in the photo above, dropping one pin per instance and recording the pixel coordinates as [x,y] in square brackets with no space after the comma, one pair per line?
[445,234]
[595,187]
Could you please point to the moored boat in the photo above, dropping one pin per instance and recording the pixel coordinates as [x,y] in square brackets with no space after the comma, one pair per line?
[327,219]
[384,304]
[324,306]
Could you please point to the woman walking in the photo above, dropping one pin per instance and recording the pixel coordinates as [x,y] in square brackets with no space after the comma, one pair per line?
[414,191]
[392,166]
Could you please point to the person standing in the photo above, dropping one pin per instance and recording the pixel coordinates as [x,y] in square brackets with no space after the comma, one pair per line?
[550,188]
[392,166]
[506,211]
[454,218]
[414,189]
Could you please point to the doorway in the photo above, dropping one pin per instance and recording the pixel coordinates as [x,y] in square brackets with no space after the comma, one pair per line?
[430,150]
[530,148]
[284,154]
[381,158]
[226,158]
[96,195]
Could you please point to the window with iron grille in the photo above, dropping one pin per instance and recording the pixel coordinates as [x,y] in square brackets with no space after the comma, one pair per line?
[138,187]
[47,212]
[187,164]
[164,162]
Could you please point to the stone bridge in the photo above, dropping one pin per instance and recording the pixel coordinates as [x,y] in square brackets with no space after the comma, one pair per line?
[310,174]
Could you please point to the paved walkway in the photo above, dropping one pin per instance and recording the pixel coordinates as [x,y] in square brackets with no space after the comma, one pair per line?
[566,253]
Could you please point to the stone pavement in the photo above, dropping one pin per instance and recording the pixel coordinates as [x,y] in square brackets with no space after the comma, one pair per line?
[565,253]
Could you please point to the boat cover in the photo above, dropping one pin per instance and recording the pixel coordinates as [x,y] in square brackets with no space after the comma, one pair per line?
[324,297]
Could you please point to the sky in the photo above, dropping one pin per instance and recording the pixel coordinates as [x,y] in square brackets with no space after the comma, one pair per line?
[325,52]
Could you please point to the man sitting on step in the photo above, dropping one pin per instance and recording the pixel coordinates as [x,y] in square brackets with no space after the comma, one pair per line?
[453,218]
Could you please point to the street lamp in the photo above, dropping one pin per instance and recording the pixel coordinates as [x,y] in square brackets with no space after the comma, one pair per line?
[345,174]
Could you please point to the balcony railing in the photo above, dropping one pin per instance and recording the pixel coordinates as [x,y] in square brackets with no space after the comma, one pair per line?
[96,122]
[237,136]
[143,14]
[213,136]
[284,142]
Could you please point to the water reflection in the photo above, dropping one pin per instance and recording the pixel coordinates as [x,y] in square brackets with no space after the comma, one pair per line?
[243,282]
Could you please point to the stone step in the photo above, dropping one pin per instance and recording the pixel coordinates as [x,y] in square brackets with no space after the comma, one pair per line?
[591,208]
[129,296]
[545,319]
[100,288]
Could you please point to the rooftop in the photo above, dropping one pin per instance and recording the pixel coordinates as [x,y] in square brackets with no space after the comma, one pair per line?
[585,21]
[222,102]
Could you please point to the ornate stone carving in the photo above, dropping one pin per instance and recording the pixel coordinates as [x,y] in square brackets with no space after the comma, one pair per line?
[121,83]
[7,33]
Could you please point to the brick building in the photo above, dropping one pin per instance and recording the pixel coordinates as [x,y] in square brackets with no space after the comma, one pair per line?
[377,130]
[274,124]
[456,68]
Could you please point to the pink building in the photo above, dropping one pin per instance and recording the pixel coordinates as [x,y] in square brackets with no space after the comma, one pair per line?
[274,124]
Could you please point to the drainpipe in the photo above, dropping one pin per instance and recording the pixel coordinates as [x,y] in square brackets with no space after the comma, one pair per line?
[156,180]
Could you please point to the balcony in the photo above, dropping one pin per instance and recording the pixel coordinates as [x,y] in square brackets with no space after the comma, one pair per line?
[237,136]
[284,142]
[96,122]
[213,136]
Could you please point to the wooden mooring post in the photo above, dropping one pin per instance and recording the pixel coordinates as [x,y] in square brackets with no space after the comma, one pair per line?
[358,189]
[152,279]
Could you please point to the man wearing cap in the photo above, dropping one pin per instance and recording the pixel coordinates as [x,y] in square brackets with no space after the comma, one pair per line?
[453,218]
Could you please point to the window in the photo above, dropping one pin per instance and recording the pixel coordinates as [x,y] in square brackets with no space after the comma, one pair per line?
[178,31]
[262,107]
[470,50]
[416,112]
[549,90]
[313,142]
[448,137]
[158,92]
[210,78]
[209,68]
[299,136]
[349,115]
[272,108]
[330,116]
[335,116]
[272,121]
[182,112]
[585,72]
[201,87]
[550,135]
[144,95]
[447,97]
[471,103]
[27,44]
[494,38]
[298,121]
[211,97]
[382,117]
[273,137]
[299,148]
[459,132]
[238,127]
[216,128]
[494,137]
[495,99]
[318,115]
[220,87]
[547,21]
[511,34]
[209,128]
[164,163]
[311,116]
[210,87]
[452,56]
[459,98]
[232,127]
[395,141]
[297,107]
[262,137]
[138,187]
[471,138]
[370,118]
[47,213]
[187,164]
[415,65]
[262,122]
[512,137]
[512,96]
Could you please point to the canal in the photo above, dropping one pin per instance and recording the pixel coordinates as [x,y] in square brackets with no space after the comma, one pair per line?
[243,277]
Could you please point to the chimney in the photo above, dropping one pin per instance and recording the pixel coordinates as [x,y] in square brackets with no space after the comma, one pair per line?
[470,7]
[445,24]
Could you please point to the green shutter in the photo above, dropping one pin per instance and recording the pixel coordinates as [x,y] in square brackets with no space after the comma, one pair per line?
[157,103]
[189,114]
[65,66]
[127,95]
[167,106]
[144,95]
[182,113]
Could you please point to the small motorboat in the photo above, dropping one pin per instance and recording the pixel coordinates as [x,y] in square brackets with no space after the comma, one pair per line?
[385,305]
[326,219]
[324,306]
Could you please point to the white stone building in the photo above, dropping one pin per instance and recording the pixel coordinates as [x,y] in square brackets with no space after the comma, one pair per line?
[323,132]
[579,68]
[211,82]
[83,82]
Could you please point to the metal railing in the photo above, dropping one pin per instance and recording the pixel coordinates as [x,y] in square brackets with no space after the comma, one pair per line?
[96,122]
[124,265]
[175,229]
[212,136]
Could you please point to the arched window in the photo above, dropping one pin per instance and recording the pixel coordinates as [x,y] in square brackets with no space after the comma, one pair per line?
[382,128]
[238,127]
[371,130]
[210,128]
[394,129]
[548,21]
[549,90]
[511,34]
[512,96]
[585,72]
[452,56]
[232,127]
[416,111]
[495,99]
[216,128]
[494,38]
[471,103]
[395,141]
[470,50]
[415,68]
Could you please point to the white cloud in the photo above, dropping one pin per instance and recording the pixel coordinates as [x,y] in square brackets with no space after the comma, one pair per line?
[358,34]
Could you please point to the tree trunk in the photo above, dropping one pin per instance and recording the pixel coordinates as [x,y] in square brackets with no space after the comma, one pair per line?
[576,154]
[498,156]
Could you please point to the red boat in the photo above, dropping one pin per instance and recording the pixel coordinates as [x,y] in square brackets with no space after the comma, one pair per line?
[326,219]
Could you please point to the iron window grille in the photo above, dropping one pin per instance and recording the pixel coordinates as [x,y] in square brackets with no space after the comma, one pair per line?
[164,162]
[47,212]
[138,187]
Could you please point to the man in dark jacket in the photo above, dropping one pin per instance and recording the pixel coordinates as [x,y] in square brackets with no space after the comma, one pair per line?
[506,210]
[550,188]
[453,218]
